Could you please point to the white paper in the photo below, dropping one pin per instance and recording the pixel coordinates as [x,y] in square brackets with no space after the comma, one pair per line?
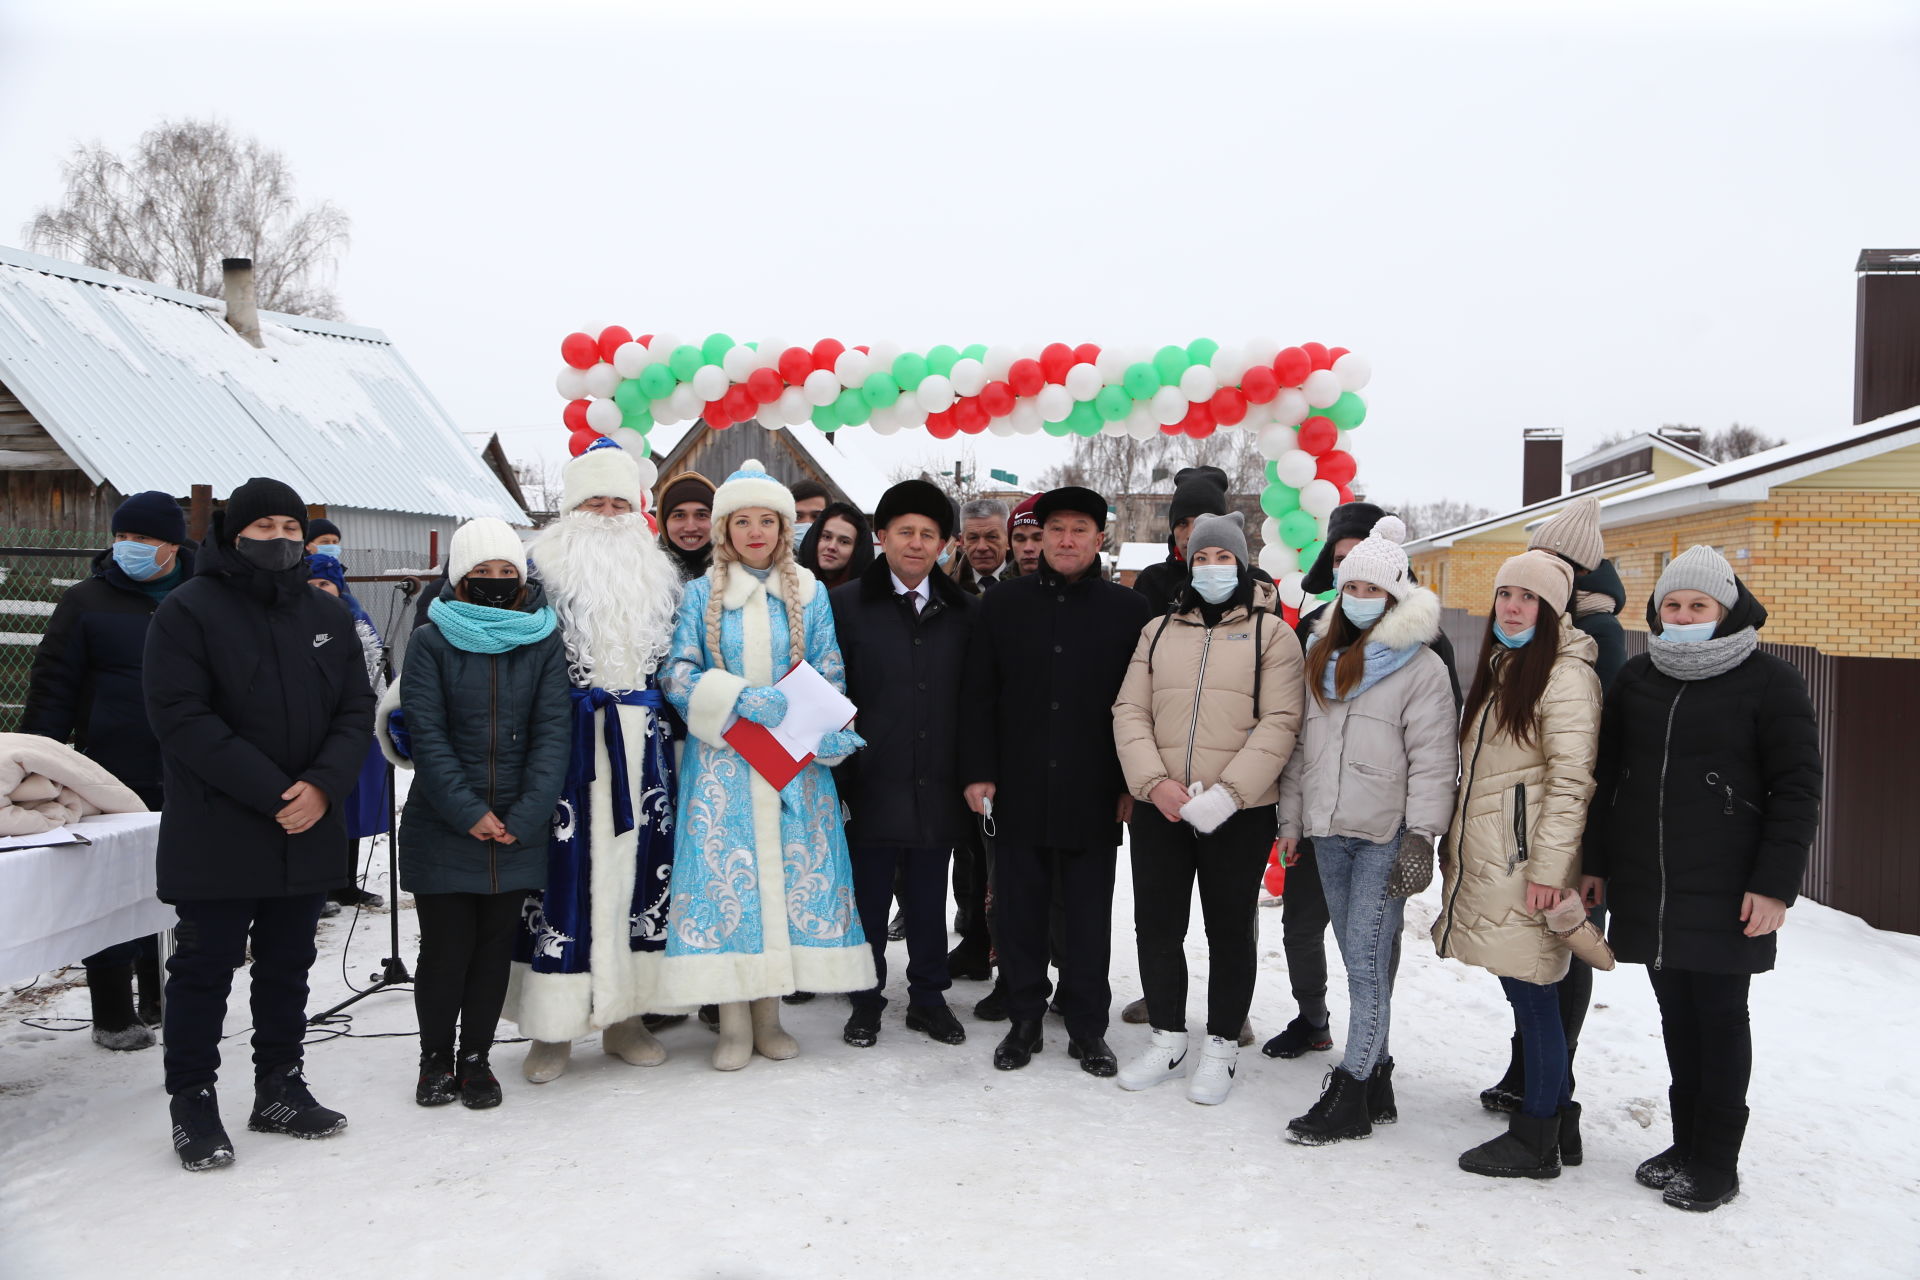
[814,709]
[46,839]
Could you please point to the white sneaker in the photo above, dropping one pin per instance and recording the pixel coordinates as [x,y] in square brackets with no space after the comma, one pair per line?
[1212,1080]
[1164,1059]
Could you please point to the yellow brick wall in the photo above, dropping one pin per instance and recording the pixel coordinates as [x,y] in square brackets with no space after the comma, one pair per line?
[1470,569]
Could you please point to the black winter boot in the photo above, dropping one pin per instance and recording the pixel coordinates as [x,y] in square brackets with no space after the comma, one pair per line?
[993,1005]
[1658,1171]
[1340,1113]
[479,1087]
[1506,1095]
[1300,1036]
[199,1138]
[436,1087]
[1381,1107]
[1712,1176]
[1530,1148]
[1571,1153]
[115,1024]
[1022,1041]
[283,1104]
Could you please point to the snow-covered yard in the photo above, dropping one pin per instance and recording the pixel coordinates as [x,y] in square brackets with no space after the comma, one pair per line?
[919,1159]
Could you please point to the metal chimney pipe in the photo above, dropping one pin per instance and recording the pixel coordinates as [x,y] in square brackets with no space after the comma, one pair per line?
[243,304]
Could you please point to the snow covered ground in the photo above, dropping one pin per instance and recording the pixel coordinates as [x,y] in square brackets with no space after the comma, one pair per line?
[919,1159]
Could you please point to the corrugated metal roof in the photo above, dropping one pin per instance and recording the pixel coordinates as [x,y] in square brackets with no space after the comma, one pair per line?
[148,388]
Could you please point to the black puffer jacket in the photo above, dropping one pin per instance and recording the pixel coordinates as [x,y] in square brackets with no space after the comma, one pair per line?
[903,672]
[253,681]
[1707,790]
[86,675]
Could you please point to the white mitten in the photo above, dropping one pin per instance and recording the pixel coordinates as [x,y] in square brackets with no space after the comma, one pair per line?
[1208,807]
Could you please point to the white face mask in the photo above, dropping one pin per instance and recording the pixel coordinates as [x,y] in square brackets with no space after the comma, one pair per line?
[1362,611]
[1215,582]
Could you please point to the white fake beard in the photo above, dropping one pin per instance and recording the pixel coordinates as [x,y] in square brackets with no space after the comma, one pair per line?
[615,592]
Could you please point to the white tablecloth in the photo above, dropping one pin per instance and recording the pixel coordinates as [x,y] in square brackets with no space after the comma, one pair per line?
[64,902]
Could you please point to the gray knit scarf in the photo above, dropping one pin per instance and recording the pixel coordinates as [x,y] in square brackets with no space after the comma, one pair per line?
[1703,659]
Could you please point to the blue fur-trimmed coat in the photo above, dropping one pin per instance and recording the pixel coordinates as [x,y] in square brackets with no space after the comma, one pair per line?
[739,843]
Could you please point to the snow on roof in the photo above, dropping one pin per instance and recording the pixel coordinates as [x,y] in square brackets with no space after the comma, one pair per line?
[1533,514]
[146,387]
[1135,556]
[1632,444]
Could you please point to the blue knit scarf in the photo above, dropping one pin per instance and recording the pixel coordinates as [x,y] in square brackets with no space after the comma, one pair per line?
[479,628]
[1381,662]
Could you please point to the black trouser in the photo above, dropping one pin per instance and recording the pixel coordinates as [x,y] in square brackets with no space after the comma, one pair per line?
[1168,857]
[466,954]
[1304,920]
[1023,893]
[970,895]
[1703,1017]
[210,942]
[921,875]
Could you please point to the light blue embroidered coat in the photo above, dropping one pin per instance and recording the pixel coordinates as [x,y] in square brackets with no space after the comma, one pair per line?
[762,888]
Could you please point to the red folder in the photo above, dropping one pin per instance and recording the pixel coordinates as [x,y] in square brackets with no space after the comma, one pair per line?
[768,758]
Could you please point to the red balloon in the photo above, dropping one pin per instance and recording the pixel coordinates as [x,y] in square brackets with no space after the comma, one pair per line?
[997,399]
[764,386]
[577,442]
[740,403]
[1199,421]
[1334,354]
[1346,494]
[580,350]
[1292,366]
[645,340]
[1055,360]
[971,415]
[1260,385]
[864,350]
[575,416]
[1317,435]
[1275,878]
[1086,353]
[826,351]
[941,425]
[1338,466]
[1229,406]
[1174,428]
[1026,377]
[1290,616]
[1318,355]
[612,338]
[716,413]
[795,363]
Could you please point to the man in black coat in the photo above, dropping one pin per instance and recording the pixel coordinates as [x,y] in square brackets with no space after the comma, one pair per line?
[85,685]
[257,691]
[1046,660]
[903,628]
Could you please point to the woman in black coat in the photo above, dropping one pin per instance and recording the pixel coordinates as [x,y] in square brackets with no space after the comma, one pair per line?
[257,692]
[838,547]
[1708,796]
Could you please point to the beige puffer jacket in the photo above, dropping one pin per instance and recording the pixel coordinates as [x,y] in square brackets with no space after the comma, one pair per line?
[1186,710]
[1387,756]
[1541,790]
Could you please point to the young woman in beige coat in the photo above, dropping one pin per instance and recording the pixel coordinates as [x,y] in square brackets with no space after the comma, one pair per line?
[1204,723]
[1529,738]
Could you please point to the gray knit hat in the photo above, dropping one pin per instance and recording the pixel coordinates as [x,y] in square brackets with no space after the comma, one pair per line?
[1574,533]
[1228,531]
[1699,568]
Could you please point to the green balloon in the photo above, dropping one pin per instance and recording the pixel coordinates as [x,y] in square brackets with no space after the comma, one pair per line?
[1084,418]
[852,408]
[1348,412]
[940,360]
[1169,363]
[1273,472]
[715,347]
[1279,500]
[629,396]
[1311,553]
[825,418]
[909,370]
[879,390]
[656,382]
[975,351]
[1141,380]
[684,360]
[1327,595]
[1297,529]
[1056,428]
[1113,404]
[1201,350]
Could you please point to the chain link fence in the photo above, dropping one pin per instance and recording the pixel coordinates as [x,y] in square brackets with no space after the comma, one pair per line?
[36,568]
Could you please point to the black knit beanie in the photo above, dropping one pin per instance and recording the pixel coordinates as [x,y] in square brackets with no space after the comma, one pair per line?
[259,497]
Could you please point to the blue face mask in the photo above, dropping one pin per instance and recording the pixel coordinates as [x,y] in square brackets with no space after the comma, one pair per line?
[138,560]
[329,549]
[800,535]
[944,557]
[1687,632]
[1361,611]
[1215,582]
[1513,642]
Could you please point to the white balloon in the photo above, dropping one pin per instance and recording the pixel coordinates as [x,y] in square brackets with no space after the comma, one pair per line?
[935,393]
[686,404]
[601,380]
[1290,407]
[1112,366]
[1269,530]
[821,387]
[1278,559]
[1274,440]
[910,415]
[1198,383]
[1354,371]
[1340,440]
[1083,382]
[739,361]
[968,376]
[1169,406]
[769,352]
[663,344]
[1001,426]
[710,382]
[1026,417]
[1258,416]
[792,405]
[1228,365]
[999,359]
[1291,591]
[649,470]
[570,382]
[1260,351]
[1116,428]
[604,416]
[881,355]
[1295,467]
[629,358]
[1141,424]
[1319,497]
[852,367]
[883,426]
[1321,388]
[1055,402]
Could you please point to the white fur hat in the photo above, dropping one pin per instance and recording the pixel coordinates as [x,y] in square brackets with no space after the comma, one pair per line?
[1379,560]
[606,471]
[751,486]
[481,540]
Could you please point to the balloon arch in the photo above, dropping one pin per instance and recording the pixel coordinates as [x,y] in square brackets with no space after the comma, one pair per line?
[1301,402]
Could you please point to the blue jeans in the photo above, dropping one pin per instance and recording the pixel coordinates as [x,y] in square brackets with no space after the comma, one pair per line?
[1543,1041]
[1366,924]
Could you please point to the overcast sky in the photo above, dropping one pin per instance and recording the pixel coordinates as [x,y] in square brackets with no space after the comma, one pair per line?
[1615,216]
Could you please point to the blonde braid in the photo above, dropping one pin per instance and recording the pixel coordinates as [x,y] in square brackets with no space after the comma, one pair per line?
[717,589]
[796,621]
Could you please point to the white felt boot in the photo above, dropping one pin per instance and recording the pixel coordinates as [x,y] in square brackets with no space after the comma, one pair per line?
[1213,1079]
[630,1041]
[546,1060]
[770,1039]
[1164,1059]
[735,1049]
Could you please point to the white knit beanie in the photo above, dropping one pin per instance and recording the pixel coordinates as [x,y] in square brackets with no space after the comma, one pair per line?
[751,486]
[606,471]
[478,541]
[1380,560]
